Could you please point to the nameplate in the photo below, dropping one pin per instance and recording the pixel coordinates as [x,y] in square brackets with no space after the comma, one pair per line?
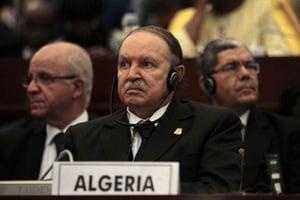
[25,187]
[115,178]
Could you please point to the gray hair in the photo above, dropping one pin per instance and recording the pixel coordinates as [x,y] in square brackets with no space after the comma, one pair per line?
[81,64]
[208,59]
[168,37]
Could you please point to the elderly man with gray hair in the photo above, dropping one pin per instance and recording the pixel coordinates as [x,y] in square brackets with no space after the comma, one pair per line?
[229,75]
[58,86]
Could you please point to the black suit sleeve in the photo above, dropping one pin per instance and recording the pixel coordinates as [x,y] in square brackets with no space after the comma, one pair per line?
[220,164]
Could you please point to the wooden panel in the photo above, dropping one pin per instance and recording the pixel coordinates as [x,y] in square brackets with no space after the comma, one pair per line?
[276,74]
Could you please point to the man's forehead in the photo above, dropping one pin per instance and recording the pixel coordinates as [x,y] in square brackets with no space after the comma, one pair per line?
[239,53]
[47,64]
[143,37]
[146,43]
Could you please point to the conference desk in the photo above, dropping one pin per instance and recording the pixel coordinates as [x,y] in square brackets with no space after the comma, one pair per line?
[276,74]
[41,190]
[179,197]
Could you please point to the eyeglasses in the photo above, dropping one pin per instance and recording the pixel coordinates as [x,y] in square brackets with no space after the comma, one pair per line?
[233,68]
[44,79]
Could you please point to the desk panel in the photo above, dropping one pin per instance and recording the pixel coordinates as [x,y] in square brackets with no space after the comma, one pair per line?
[180,197]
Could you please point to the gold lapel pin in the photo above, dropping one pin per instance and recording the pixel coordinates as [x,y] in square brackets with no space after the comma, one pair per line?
[178,131]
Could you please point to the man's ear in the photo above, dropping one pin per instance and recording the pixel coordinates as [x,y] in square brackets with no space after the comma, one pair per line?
[79,85]
[180,69]
[201,83]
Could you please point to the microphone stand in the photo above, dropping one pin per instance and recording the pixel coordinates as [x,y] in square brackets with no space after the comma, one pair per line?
[59,157]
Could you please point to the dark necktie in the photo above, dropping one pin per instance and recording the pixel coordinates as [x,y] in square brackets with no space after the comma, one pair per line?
[59,142]
[243,131]
[145,129]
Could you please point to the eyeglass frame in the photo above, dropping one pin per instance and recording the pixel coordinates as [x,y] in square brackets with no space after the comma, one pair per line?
[236,67]
[45,78]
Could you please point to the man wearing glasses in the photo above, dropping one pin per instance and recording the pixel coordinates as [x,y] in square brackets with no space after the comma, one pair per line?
[58,86]
[229,75]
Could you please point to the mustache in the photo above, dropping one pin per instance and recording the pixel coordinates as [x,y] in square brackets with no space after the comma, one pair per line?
[245,84]
[136,84]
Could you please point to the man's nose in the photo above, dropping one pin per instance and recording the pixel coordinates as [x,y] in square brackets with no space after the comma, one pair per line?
[243,69]
[32,85]
[134,72]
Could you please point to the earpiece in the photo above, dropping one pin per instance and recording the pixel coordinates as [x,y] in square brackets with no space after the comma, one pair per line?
[210,85]
[209,81]
[173,80]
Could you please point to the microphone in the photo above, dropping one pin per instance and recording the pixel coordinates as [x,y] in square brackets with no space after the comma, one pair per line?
[242,154]
[274,173]
[273,170]
[62,155]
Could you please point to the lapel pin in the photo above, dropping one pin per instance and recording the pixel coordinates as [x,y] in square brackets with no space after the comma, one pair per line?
[178,131]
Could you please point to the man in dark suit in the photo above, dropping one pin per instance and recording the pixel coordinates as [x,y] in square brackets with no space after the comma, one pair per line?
[205,140]
[58,86]
[228,74]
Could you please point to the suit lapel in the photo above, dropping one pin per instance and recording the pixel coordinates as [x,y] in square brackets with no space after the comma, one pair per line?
[169,130]
[258,137]
[33,149]
[116,139]
[38,143]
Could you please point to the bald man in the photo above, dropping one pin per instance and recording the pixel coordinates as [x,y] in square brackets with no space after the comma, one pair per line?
[58,86]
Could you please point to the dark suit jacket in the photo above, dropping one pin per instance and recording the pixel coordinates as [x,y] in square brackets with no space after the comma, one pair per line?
[21,149]
[207,149]
[269,133]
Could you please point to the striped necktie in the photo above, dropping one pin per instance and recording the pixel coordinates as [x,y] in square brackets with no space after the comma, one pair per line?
[144,130]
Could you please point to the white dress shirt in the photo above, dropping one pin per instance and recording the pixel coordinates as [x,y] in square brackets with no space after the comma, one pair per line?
[136,139]
[49,154]
[244,119]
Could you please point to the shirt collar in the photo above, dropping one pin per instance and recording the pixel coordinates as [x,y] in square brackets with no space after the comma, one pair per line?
[134,119]
[244,117]
[52,130]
